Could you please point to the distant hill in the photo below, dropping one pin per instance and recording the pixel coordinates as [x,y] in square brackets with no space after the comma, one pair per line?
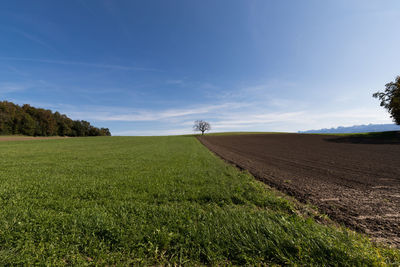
[358,129]
[28,120]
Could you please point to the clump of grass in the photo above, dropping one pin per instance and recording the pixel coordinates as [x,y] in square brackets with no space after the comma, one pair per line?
[154,200]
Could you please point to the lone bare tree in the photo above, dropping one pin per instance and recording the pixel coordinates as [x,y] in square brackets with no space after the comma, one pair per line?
[201,126]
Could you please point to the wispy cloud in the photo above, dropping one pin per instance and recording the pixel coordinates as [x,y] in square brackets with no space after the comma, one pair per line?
[77,63]
[175,82]
[298,120]
[262,91]
[133,115]
[35,39]
[9,87]
[251,119]
[29,36]
[17,71]
[206,88]
[177,131]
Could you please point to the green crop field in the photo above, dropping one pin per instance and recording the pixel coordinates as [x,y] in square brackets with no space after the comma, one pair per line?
[154,200]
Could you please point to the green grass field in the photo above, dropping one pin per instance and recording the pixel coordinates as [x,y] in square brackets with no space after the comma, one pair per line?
[154,200]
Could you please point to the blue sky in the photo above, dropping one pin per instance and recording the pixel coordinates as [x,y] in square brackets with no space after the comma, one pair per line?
[153,67]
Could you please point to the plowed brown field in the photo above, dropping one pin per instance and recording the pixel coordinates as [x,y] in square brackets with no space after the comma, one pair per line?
[357,184]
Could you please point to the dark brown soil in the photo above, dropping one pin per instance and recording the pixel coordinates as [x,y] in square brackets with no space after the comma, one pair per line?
[357,184]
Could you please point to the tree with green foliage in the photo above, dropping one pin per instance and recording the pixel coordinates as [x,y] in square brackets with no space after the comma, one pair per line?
[27,126]
[105,132]
[390,99]
[28,120]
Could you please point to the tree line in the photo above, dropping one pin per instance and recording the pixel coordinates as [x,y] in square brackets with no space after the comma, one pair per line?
[28,120]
